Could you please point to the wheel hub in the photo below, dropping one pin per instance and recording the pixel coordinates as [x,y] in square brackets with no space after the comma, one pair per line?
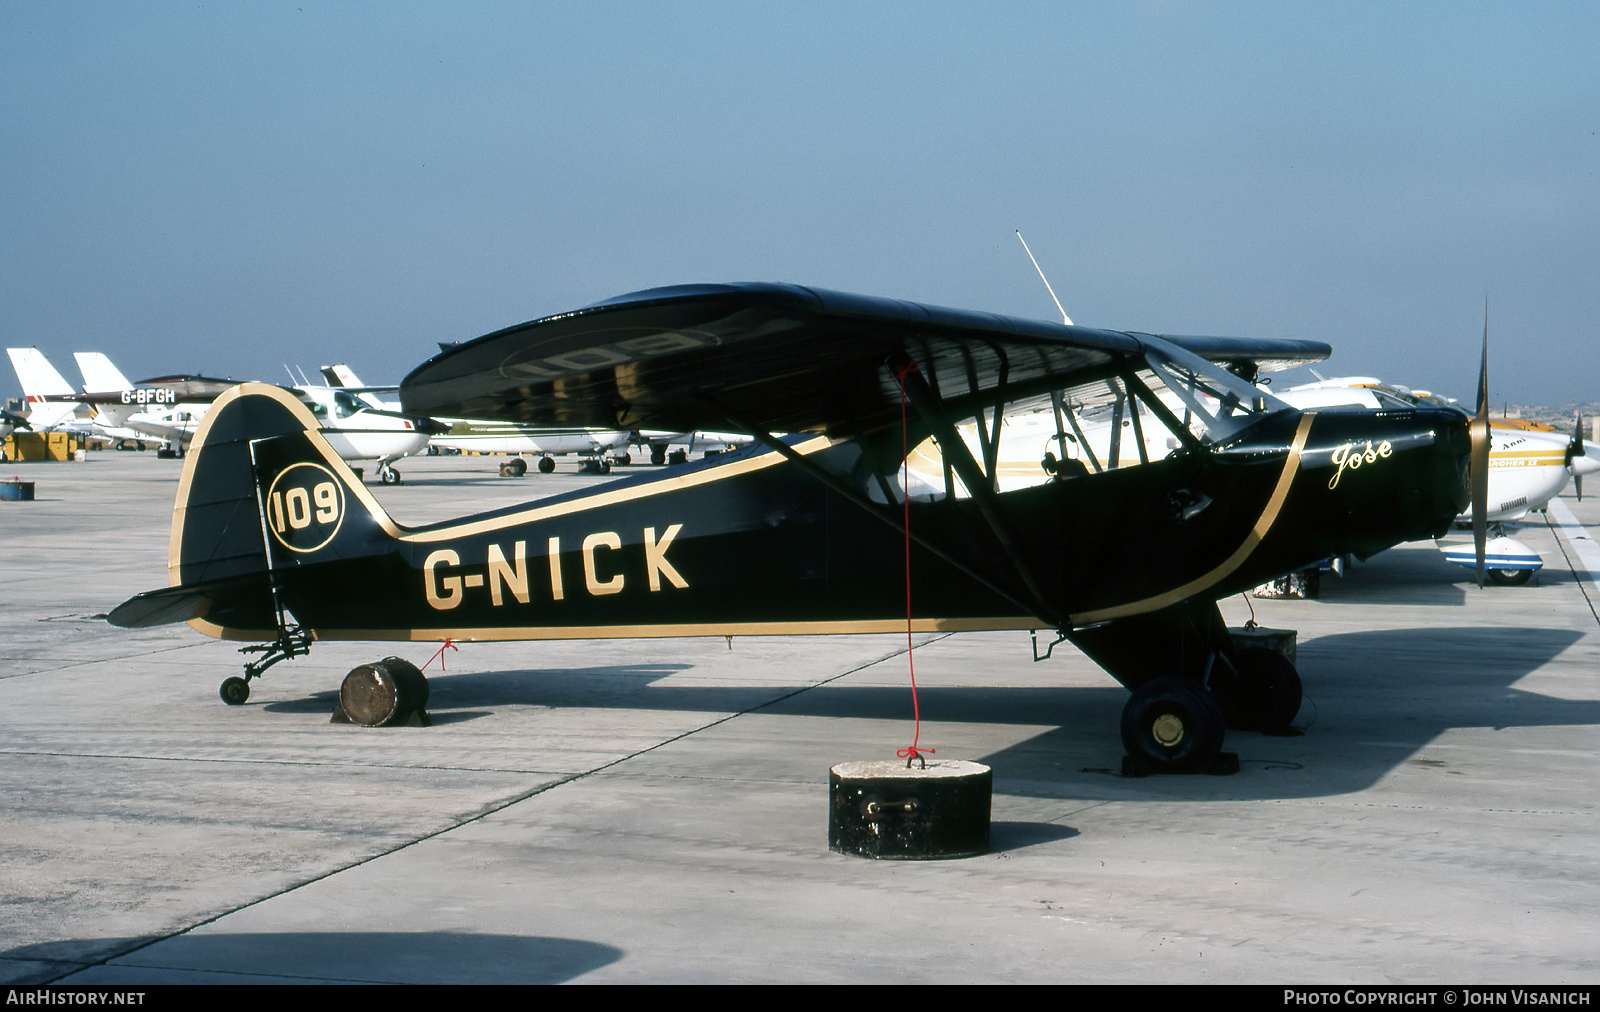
[1167,729]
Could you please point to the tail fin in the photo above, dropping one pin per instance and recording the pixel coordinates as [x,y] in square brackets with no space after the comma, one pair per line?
[99,375]
[40,380]
[262,494]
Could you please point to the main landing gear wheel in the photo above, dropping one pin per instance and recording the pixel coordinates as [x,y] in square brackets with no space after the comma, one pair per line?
[516,467]
[658,457]
[1510,577]
[1172,725]
[234,691]
[1264,696]
[388,475]
[546,465]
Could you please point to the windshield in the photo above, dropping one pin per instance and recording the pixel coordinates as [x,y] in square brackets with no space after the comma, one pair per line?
[1173,400]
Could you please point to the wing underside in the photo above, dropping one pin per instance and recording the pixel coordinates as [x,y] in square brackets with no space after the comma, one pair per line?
[782,358]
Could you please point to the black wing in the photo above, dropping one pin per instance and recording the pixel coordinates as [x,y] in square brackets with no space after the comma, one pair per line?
[783,358]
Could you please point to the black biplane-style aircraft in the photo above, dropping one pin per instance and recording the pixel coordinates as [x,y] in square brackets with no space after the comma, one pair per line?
[808,530]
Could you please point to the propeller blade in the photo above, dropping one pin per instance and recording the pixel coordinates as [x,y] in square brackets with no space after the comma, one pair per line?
[1479,430]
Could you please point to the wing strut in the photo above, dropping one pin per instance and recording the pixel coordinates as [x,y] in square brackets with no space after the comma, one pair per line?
[843,489]
[954,449]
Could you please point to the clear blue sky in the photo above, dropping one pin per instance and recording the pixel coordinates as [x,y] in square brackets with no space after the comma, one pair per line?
[223,187]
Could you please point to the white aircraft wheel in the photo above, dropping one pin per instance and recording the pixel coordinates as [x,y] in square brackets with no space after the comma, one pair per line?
[1510,577]
[235,691]
[546,465]
[1172,725]
[389,476]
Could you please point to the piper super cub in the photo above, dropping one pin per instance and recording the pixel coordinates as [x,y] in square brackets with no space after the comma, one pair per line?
[808,530]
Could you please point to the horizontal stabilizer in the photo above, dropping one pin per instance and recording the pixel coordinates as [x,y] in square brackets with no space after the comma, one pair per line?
[182,603]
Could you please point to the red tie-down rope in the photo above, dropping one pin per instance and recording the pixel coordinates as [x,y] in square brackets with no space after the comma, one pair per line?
[439,654]
[912,751]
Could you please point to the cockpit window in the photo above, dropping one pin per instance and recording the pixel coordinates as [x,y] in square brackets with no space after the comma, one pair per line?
[344,405]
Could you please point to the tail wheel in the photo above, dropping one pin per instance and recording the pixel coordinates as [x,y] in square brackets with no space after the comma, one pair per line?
[1172,725]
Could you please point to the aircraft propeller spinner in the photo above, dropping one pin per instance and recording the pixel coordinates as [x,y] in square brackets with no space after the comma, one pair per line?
[1478,428]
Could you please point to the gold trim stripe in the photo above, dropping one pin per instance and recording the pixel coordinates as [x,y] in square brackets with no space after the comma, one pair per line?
[1269,516]
[663,631]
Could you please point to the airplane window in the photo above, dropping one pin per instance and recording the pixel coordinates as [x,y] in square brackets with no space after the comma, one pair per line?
[344,405]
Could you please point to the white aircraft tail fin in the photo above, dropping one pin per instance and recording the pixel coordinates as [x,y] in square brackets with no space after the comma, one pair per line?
[341,375]
[99,375]
[40,380]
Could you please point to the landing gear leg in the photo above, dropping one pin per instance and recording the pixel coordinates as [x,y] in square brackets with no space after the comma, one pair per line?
[291,642]
[1173,723]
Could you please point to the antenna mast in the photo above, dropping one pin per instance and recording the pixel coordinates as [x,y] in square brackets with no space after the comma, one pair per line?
[1064,317]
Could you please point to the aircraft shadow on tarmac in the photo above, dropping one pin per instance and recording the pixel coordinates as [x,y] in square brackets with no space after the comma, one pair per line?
[424,957]
[1373,699]
[1402,577]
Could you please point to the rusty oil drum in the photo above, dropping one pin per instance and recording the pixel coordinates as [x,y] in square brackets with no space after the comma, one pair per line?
[383,693]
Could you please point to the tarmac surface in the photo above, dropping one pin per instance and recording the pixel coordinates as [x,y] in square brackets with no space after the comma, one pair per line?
[656,811]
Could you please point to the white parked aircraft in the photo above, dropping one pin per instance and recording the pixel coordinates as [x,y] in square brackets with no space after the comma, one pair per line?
[51,402]
[170,408]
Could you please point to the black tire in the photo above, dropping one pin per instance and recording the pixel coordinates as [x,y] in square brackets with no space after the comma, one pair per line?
[546,465]
[1172,725]
[1509,577]
[389,476]
[1264,696]
[234,691]
[658,457]
[622,460]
